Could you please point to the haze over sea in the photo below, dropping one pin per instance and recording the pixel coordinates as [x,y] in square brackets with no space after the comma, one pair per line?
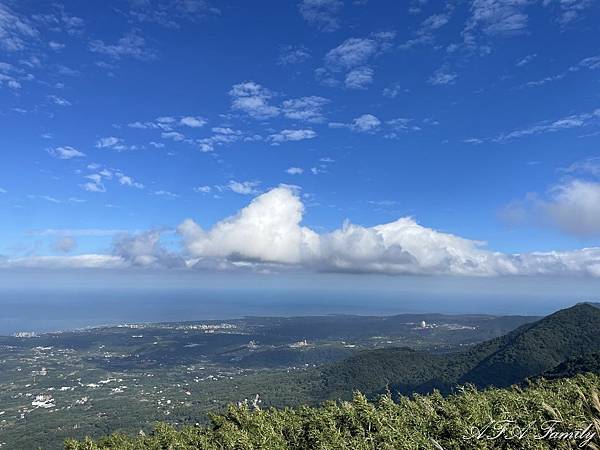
[54,301]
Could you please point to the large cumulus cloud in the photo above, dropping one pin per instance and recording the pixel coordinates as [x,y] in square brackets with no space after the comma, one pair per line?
[269,233]
[269,230]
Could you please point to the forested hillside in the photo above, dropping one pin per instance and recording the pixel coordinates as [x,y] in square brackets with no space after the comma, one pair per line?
[530,350]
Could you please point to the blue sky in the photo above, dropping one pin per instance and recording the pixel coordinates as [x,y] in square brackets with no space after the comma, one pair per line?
[421,137]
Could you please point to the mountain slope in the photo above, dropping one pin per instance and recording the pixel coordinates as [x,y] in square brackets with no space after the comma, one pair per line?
[535,348]
[525,352]
[581,364]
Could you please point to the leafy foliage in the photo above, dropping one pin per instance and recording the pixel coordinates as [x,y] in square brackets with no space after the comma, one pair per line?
[424,422]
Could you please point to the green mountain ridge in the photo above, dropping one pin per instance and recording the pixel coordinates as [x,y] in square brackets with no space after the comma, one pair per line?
[530,350]
[586,363]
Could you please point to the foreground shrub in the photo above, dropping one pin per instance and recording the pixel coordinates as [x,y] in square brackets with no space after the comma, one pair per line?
[421,422]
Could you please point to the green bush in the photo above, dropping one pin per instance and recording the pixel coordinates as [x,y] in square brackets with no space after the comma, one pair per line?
[421,422]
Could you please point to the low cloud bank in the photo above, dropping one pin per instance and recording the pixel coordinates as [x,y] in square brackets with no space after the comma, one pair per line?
[269,232]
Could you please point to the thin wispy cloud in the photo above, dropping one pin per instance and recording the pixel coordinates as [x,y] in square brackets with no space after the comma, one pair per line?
[291,135]
[322,14]
[15,31]
[293,54]
[171,13]
[130,45]
[66,152]
[367,123]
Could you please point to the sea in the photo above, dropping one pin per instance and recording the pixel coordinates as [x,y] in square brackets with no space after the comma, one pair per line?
[39,310]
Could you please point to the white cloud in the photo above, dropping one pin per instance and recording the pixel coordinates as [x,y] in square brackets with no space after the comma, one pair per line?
[130,45]
[144,250]
[526,60]
[570,10]
[64,70]
[545,80]
[65,152]
[295,171]
[435,21]
[322,14]
[60,20]
[221,136]
[203,189]
[128,250]
[163,193]
[442,77]
[166,120]
[307,109]
[56,45]
[3,191]
[269,230]
[95,184]
[55,200]
[495,17]
[593,62]
[401,125]
[158,124]
[359,78]
[78,232]
[367,123]
[573,121]
[352,58]
[253,99]
[425,33]
[65,244]
[15,31]
[291,135]
[293,55]
[193,122]
[168,124]
[90,261]
[383,203]
[50,199]
[393,90]
[574,207]
[91,186]
[589,63]
[590,166]
[125,180]
[97,179]
[110,142]
[244,187]
[170,13]
[8,74]
[174,135]
[571,206]
[351,53]
[59,100]
[415,6]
